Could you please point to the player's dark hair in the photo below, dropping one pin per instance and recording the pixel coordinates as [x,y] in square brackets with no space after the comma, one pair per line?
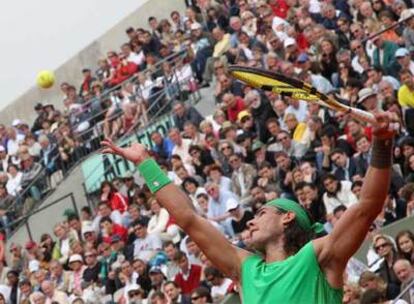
[296,237]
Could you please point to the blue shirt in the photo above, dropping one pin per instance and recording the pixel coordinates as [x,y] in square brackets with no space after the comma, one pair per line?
[218,207]
[165,149]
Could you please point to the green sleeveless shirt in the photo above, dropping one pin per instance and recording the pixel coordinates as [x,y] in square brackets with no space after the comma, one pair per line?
[296,280]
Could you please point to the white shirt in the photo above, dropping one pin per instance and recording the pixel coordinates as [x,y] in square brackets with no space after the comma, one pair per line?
[13,144]
[115,216]
[138,59]
[222,289]
[13,184]
[356,65]
[300,112]
[321,83]
[146,248]
[185,74]
[344,197]
[182,150]
[225,183]
[145,89]
[411,67]
[158,223]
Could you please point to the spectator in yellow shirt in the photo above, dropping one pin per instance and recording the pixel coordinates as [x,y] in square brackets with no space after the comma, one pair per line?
[406,99]
[406,91]
[297,129]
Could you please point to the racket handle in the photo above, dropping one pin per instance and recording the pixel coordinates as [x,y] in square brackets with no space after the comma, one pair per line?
[362,115]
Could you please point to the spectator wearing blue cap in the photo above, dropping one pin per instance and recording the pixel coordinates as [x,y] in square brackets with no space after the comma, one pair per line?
[157,278]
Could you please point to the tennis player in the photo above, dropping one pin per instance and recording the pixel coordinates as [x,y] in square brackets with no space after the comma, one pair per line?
[290,266]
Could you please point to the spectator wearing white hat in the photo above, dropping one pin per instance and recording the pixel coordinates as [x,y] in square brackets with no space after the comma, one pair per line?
[89,235]
[75,279]
[239,216]
[367,97]
[38,298]
[135,293]
[404,59]
[291,49]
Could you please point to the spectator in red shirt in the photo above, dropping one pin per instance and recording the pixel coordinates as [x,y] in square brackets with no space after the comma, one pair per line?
[234,105]
[279,7]
[110,229]
[355,130]
[87,81]
[124,69]
[188,278]
[113,198]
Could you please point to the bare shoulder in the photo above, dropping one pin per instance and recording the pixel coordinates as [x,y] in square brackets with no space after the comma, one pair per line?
[243,254]
[325,255]
[321,247]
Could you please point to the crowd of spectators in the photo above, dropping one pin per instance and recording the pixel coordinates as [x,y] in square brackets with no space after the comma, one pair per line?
[129,87]
[256,146]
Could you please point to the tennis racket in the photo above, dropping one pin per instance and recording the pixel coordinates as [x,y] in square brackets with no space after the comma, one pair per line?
[297,89]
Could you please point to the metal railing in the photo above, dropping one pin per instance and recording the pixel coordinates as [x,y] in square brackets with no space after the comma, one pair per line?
[88,147]
[24,219]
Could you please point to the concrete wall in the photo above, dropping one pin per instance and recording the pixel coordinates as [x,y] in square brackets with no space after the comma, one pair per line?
[70,71]
[391,230]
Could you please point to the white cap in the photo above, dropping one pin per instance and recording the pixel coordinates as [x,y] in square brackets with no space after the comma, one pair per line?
[364,94]
[34,265]
[75,258]
[401,52]
[289,41]
[16,122]
[133,286]
[231,204]
[87,227]
[407,13]
[196,26]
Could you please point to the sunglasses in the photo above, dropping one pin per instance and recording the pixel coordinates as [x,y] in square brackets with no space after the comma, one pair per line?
[378,247]
[133,294]
[244,119]
[225,148]
[195,298]
[357,48]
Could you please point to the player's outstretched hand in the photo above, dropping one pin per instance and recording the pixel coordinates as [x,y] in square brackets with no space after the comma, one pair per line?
[388,124]
[136,153]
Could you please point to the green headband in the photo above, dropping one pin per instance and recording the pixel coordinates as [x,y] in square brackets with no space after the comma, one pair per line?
[301,217]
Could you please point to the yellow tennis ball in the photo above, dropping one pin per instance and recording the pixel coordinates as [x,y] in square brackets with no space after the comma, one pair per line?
[45,79]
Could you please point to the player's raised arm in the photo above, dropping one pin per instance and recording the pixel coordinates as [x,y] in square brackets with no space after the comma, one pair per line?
[337,248]
[214,245]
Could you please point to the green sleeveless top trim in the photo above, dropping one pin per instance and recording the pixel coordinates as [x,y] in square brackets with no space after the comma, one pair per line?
[296,280]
